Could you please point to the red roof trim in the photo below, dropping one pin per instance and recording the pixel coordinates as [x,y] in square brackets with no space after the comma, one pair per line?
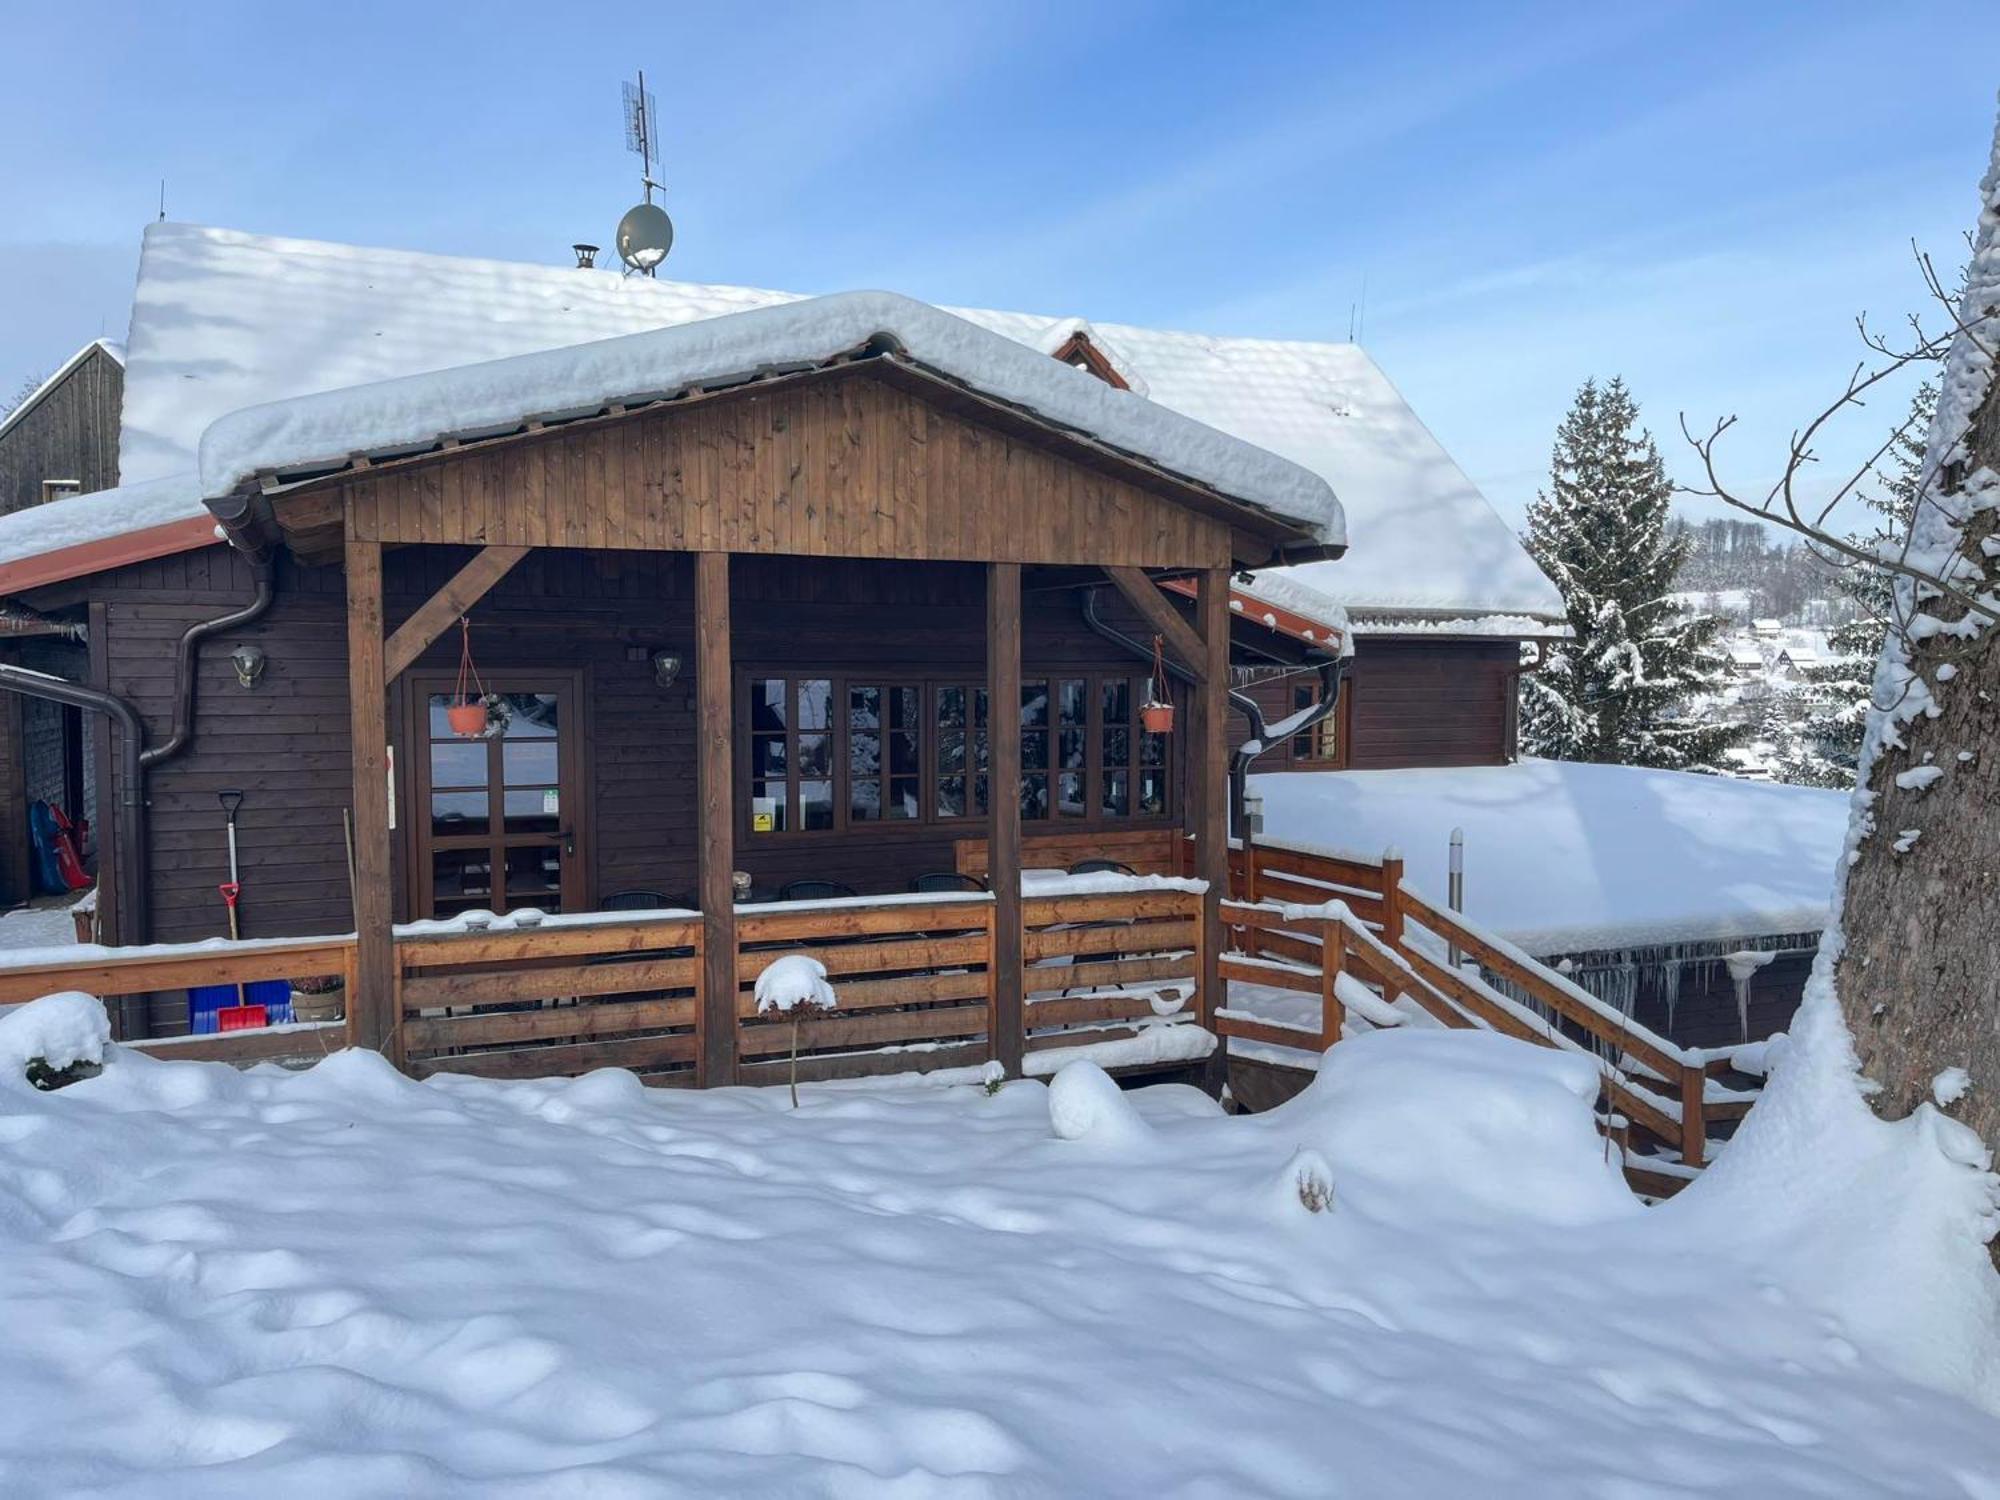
[1271,616]
[109,552]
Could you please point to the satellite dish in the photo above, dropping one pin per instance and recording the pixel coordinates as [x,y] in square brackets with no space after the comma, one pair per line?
[645,235]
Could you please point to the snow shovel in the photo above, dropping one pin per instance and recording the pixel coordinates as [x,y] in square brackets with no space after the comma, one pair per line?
[245,1013]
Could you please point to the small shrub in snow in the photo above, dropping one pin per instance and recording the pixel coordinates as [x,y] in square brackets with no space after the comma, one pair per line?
[792,986]
[1310,1179]
[57,1040]
[1085,1103]
[992,1078]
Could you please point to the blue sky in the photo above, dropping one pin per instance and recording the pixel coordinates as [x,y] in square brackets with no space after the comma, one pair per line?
[1698,196]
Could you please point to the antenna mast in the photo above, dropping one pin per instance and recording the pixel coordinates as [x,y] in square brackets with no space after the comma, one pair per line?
[642,131]
[645,234]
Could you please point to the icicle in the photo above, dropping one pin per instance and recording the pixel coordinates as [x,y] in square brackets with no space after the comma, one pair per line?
[1743,966]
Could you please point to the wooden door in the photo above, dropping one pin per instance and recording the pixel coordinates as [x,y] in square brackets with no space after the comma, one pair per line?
[498,822]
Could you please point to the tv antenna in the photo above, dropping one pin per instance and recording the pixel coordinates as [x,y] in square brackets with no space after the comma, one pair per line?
[645,234]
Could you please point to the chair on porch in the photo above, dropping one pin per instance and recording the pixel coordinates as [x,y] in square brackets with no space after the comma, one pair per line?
[945,882]
[1101,867]
[642,901]
[815,890]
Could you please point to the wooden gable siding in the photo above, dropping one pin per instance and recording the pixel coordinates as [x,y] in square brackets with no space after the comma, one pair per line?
[72,433]
[1409,702]
[285,743]
[839,466]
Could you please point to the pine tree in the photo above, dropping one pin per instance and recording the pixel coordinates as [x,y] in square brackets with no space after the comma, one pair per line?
[1833,708]
[1623,689]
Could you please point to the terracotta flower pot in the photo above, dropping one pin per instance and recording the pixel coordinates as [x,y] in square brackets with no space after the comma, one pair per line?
[1157,717]
[467,720]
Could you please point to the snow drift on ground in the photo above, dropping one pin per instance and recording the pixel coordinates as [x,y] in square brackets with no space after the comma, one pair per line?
[343,1282]
[1564,858]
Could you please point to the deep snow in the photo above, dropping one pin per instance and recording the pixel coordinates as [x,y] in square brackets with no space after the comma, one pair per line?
[1564,858]
[344,1282]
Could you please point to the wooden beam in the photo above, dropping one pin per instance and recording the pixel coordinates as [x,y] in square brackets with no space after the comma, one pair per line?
[1144,595]
[715,762]
[434,616]
[1006,1022]
[1208,783]
[372,1006]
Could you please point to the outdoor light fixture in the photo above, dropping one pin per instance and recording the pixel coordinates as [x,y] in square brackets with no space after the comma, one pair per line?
[1253,813]
[666,667]
[249,664]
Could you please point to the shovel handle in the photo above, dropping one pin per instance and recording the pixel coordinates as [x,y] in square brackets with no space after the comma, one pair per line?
[230,800]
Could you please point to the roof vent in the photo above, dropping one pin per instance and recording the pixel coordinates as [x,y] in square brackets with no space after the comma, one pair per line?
[586,257]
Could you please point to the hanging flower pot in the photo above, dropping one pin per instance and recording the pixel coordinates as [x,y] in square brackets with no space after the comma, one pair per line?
[467,720]
[1157,713]
[469,711]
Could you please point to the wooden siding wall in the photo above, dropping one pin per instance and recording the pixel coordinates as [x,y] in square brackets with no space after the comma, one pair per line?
[72,433]
[847,465]
[285,743]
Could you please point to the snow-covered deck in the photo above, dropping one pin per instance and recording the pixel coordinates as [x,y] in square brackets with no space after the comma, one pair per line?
[1563,858]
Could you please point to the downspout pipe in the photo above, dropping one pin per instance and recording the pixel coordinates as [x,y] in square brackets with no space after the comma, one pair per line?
[1331,670]
[129,828]
[187,658]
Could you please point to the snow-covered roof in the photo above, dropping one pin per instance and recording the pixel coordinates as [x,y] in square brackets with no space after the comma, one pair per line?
[34,398]
[322,430]
[104,529]
[223,320]
[1562,857]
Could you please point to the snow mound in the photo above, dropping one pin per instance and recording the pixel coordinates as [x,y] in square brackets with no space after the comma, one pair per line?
[1424,1123]
[62,1030]
[1086,1104]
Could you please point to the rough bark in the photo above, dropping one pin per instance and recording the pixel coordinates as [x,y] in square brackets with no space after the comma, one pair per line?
[1919,979]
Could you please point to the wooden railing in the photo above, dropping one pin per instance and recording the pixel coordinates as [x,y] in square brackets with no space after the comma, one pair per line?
[1305,919]
[1100,967]
[538,1001]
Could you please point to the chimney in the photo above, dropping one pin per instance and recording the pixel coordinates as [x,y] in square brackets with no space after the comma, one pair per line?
[586,257]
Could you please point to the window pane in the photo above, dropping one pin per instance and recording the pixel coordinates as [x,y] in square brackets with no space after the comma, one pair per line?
[906,708]
[815,804]
[904,802]
[979,704]
[1116,698]
[864,754]
[461,879]
[1152,749]
[528,761]
[458,763]
[951,705]
[534,877]
[769,810]
[981,795]
[458,812]
[1035,750]
[864,708]
[532,809]
[767,755]
[815,755]
[1069,752]
[1117,793]
[903,753]
[767,704]
[1117,747]
[1069,794]
[1034,797]
[1152,793]
[815,703]
[1073,701]
[1034,704]
[529,716]
[864,801]
[951,797]
[1303,744]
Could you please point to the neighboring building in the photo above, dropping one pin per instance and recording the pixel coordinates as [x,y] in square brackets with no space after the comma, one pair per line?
[60,441]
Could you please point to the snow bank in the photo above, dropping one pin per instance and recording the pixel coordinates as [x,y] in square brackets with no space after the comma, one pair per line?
[229,1285]
[1086,1104]
[413,411]
[1567,858]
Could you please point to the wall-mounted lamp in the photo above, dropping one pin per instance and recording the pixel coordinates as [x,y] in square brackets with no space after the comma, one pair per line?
[249,662]
[666,667]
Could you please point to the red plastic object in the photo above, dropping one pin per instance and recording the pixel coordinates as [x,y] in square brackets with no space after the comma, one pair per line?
[239,1018]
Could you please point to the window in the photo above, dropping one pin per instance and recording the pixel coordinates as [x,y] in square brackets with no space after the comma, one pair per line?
[828,752]
[61,489]
[1320,743]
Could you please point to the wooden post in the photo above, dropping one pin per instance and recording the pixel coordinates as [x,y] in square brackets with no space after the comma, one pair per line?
[1332,961]
[110,905]
[1694,1124]
[1008,1039]
[1208,781]
[1392,898]
[372,999]
[715,762]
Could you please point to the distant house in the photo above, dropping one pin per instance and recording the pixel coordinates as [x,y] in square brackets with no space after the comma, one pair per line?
[60,441]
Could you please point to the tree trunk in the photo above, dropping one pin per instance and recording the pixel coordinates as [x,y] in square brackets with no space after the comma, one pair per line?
[1919,979]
